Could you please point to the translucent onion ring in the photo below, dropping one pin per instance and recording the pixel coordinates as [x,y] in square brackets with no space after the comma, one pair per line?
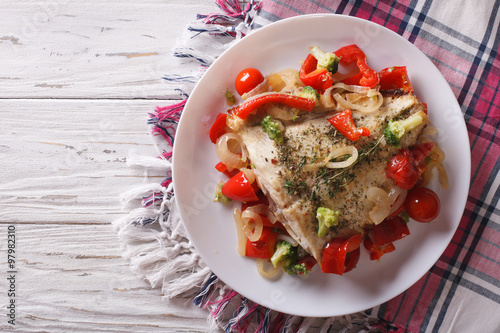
[242,238]
[365,109]
[327,101]
[356,89]
[262,264]
[258,209]
[252,225]
[382,204]
[259,89]
[351,150]
[231,157]
[443,176]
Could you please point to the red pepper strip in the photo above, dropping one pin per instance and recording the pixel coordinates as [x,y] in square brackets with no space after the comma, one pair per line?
[352,53]
[353,80]
[238,188]
[354,242]
[264,247]
[352,259]
[390,230]
[221,167]
[336,255]
[218,128]
[376,252]
[344,123]
[395,78]
[246,108]
[311,75]
[407,166]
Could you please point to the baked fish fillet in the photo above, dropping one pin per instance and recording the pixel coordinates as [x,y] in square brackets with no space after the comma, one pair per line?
[296,185]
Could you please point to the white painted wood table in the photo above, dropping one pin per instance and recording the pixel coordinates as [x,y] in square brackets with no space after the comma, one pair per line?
[77,79]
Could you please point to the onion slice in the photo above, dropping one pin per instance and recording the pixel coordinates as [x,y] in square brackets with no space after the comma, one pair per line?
[252,225]
[373,105]
[242,239]
[382,204]
[228,149]
[266,269]
[342,151]
[351,150]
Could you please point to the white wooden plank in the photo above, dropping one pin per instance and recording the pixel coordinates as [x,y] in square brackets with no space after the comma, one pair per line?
[93,49]
[64,161]
[63,284]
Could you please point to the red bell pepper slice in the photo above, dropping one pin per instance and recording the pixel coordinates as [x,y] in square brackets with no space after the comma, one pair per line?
[406,167]
[352,53]
[221,167]
[394,78]
[352,259]
[334,256]
[239,188]
[264,247]
[344,123]
[311,75]
[336,252]
[218,128]
[248,107]
[390,230]
[377,251]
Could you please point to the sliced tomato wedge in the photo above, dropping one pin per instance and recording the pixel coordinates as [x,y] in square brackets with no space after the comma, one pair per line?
[239,188]
[264,247]
[218,128]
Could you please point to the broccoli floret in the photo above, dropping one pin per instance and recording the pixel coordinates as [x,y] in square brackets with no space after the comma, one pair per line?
[288,256]
[326,60]
[310,93]
[273,128]
[396,129]
[219,197]
[298,269]
[285,254]
[326,218]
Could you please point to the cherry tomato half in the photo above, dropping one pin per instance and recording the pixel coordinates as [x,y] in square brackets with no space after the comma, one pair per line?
[248,79]
[422,204]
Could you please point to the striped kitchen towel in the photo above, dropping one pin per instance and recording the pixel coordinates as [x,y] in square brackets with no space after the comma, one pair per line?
[461,292]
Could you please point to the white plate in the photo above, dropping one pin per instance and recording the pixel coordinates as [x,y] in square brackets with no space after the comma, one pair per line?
[211,227]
